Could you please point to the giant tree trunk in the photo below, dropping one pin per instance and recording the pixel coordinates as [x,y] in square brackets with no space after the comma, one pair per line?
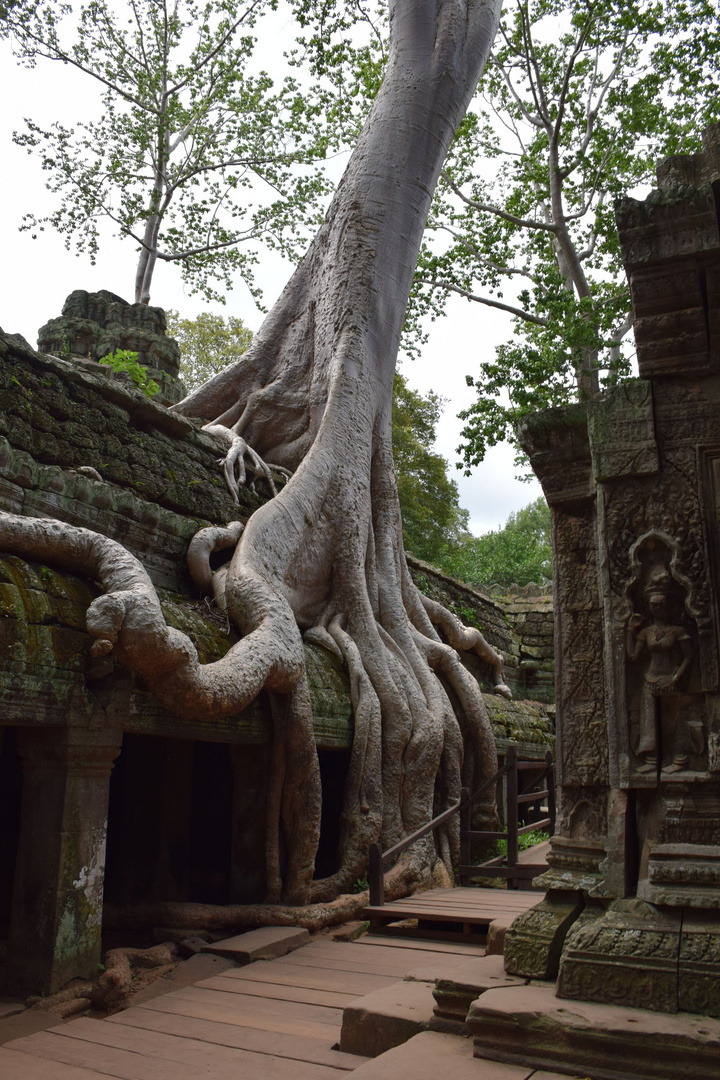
[313,393]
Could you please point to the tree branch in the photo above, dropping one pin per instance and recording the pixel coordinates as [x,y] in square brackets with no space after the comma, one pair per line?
[523,223]
[507,271]
[526,316]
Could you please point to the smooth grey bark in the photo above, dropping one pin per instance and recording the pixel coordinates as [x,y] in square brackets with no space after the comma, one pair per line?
[325,557]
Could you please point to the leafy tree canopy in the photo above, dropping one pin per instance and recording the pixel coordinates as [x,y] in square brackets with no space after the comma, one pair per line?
[195,157]
[578,102]
[518,553]
[433,520]
[208,343]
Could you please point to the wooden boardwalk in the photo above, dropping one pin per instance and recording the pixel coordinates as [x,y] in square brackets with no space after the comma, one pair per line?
[458,913]
[448,913]
[271,1020]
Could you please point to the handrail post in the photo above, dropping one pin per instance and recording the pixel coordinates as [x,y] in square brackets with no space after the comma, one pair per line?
[376,877]
[552,809]
[465,815]
[512,810]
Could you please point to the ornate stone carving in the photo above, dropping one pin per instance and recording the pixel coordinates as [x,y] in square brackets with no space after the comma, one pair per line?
[637,602]
[626,957]
[534,940]
[667,727]
[699,964]
[622,433]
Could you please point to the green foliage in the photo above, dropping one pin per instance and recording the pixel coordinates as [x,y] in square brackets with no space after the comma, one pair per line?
[207,343]
[574,108]
[433,520]
[195,158]
[525,841]
[518,553]
[125,361]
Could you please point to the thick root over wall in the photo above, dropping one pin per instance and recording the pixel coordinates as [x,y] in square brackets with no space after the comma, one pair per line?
[324,558]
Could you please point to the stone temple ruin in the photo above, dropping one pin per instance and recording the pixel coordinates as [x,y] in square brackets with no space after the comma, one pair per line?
[106,800]
[631,914]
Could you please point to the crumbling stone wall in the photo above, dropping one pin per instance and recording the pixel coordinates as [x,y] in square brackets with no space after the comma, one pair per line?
[93,325]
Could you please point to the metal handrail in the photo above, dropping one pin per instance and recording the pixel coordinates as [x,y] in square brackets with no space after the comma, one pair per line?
[379,860]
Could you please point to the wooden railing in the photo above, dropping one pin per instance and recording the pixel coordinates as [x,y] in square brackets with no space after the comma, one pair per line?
[507,866]
[504,866]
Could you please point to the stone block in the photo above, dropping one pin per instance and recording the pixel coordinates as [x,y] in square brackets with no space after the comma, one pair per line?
[495,945]
[266,943]
[699,963]
[628,956]
[530,1026]
[534,941]
[430,1055]
[386,1018]
[458,986]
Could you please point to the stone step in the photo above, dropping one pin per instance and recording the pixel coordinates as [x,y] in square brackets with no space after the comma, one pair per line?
[265,943]
[386,1018]
[431,1055]
[458,984]
[529,1024]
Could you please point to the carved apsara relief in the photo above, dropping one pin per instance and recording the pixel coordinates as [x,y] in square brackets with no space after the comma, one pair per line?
[667,724]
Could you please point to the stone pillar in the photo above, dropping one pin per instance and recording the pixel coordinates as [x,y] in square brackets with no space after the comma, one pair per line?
[56,916]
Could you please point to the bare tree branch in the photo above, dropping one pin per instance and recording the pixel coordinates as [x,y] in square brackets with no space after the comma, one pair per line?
[526,316]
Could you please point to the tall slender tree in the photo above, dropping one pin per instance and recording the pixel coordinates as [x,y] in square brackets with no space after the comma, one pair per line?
[188,140]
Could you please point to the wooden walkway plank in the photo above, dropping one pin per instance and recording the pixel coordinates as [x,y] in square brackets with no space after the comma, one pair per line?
[18,1065]
[293,1047]
[252,1012]
[277,992]
[415,945]
[219,1063]
[278,972]
[368,965]
[203,1057]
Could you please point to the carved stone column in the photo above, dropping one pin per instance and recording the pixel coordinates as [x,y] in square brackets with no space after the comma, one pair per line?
[58,889]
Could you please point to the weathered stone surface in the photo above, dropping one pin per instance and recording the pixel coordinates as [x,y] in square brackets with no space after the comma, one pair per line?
[94,325]
[456,987]
[699,963]
[430,1055]
[517,622]
[628,956]
[385,1018]
[265,943]
[637,573]
[58,891]
[604,1042]
[534,941]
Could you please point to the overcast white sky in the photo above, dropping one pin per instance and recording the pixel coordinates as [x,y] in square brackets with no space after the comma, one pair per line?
[37,275]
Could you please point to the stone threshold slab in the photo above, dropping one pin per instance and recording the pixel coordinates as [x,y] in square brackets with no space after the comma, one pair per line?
[530,1026]
[265,943]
